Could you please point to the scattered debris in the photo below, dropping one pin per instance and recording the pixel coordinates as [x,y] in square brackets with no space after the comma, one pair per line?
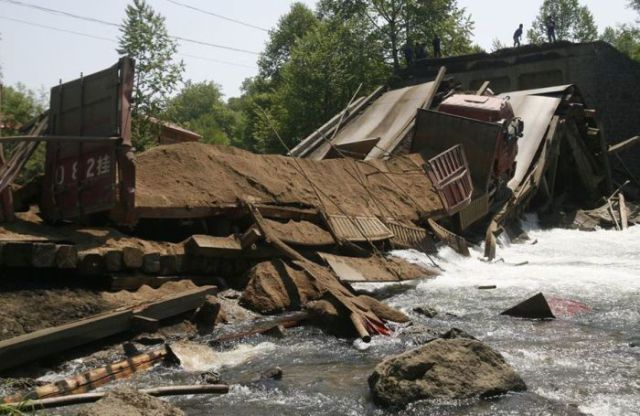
[535,307]
[427,311]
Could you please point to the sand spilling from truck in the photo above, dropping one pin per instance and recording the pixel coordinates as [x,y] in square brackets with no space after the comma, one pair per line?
[196,175]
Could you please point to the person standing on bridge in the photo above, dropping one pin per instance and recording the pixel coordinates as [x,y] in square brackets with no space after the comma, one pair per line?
[517,36]
[551,30]
[437,52]
[408,53]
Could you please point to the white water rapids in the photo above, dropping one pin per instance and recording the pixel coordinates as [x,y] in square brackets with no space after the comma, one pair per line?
[582,363]
[585,359]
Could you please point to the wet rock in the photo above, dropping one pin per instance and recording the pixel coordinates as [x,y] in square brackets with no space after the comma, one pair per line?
[443,369]
[210,377]
[274,373]
[427,311]
[455,333]
[206,316]
[535,307]
[129,402]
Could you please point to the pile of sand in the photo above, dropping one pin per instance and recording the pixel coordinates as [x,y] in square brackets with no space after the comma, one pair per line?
[196,175]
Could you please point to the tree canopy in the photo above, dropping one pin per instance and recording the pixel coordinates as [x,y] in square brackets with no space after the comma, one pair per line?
[144,37]
[201,108]
[574,22]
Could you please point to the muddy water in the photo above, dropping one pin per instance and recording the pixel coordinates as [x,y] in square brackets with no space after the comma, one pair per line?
[581,363]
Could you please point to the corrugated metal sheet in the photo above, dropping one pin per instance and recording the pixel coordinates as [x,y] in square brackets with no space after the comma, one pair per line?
[437,132]
[536,112]
[411,237]
[381,124]
[359,229]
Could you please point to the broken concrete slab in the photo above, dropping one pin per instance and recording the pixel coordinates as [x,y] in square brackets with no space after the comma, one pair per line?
[535,307]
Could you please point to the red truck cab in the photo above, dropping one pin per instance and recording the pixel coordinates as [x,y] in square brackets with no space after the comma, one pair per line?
[494,110]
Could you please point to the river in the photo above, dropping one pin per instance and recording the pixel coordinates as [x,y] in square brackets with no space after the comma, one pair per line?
[580,363]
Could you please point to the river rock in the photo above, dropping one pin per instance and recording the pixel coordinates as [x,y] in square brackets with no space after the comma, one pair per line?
[129,402]
[443,369]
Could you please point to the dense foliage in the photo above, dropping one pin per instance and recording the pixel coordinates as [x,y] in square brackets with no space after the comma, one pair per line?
[574,22]
[145,38]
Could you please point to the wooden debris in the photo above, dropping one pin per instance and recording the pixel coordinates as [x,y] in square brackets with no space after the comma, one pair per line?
[92,379]
[113,260]
[91,263]
[133,257]
[93,397]
[535,307]
[27,348]
[66,257]
[44,255]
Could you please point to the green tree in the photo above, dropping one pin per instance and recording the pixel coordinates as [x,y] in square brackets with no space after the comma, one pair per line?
[144,37]
[325,70]
[625,38]
[400,21]
[574,22]
[200,107]
[290,28]
[19,106]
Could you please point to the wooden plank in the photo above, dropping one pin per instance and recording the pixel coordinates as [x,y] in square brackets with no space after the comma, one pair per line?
[132,257]
[176,304]
[66,257]
[624,145]
[27,348]
[624,218]
[91,263]
[483,88]
[44,255]
[113,260]
[213,247]
[17,254]
[151,263]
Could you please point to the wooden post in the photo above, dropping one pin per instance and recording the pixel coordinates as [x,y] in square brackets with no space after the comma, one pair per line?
[94,397]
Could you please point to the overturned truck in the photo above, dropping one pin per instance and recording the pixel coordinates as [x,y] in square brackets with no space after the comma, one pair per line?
[537,149]
[397,169]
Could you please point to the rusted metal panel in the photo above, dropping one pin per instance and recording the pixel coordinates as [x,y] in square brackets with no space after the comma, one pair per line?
[436,132]
[477,209]
[359,229]
[81,177]
[449,172]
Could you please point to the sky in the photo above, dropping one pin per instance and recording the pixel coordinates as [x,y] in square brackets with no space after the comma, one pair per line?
[40,56]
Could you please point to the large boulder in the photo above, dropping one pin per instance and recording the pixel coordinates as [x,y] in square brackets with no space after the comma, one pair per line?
[129,402]
[443,369]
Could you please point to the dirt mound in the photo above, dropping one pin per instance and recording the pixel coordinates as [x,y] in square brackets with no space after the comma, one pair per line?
[192,175]
[443,369]
[129,402]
